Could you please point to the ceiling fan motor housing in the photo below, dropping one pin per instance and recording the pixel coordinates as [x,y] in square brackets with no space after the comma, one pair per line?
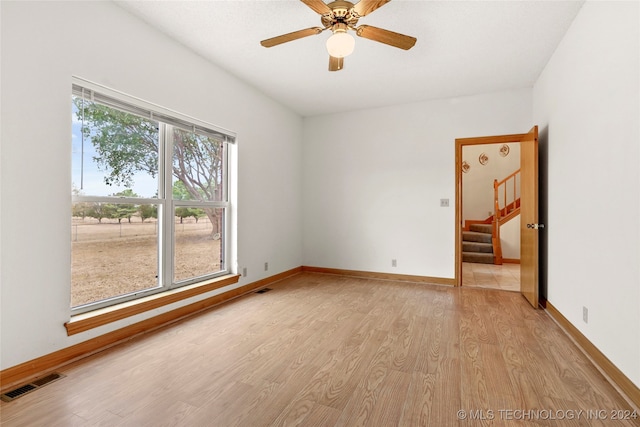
[341,13]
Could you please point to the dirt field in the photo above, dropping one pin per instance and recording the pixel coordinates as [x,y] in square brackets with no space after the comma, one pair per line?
[112,259]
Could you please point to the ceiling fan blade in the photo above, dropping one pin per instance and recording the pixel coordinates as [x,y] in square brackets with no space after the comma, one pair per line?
[386,37]
[365,7]
[318,6]
[335,64]
[274,41]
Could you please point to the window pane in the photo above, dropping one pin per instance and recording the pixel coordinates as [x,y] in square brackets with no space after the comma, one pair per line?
[197,167]
[114,250]
[113,152]
[119,249]
[198,242]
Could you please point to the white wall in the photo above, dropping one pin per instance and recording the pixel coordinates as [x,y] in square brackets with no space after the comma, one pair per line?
[587,101]
[43,45]
[510,238]
[373,180]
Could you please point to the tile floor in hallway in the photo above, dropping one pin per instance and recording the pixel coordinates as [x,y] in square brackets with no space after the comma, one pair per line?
[504,277]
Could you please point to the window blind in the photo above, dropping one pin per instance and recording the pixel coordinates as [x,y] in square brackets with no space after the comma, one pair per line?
[148,113]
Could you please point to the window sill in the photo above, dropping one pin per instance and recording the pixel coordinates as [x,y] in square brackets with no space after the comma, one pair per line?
[86,321]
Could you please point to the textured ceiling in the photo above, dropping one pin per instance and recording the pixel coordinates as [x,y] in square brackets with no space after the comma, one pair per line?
[463,48]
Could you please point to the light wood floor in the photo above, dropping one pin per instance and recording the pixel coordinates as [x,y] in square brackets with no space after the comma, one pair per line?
[323,350]
[505,277]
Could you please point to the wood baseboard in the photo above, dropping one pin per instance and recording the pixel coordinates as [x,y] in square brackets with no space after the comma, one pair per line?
[32,369]
[381,276]
[510,261]
[86,321]
[611,371]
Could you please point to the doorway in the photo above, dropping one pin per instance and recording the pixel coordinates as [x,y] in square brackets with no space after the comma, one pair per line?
[527,204]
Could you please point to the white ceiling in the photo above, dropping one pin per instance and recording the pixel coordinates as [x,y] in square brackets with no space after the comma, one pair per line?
[463,48]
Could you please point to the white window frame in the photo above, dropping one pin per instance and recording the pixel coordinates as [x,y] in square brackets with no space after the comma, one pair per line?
[166,203]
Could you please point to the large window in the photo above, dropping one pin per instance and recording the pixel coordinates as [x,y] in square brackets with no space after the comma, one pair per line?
[150,200]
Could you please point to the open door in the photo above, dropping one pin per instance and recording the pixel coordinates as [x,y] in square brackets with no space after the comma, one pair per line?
[529,217]
[529,285]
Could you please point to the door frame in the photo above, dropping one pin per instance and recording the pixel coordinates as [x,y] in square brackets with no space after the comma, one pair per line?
[461,142]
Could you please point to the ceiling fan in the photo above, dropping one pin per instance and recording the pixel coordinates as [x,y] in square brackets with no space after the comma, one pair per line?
[341,16]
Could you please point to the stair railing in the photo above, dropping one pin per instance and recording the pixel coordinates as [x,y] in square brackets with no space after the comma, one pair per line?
[505,184]
[510,182]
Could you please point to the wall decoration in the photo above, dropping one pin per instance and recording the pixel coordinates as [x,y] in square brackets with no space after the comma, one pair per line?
[504,150]
[465,166]
[483,159]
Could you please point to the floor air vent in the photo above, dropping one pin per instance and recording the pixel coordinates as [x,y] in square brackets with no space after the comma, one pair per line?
[263,290]
[28,388]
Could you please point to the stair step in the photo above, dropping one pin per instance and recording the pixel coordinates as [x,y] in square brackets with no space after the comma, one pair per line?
[481,228]
[473,236]
[477,257]
[477,247]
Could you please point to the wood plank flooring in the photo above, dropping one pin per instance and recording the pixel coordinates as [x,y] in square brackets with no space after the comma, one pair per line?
[324,350]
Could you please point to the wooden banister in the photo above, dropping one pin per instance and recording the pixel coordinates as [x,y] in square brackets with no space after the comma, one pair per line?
[506,206]
[495,240]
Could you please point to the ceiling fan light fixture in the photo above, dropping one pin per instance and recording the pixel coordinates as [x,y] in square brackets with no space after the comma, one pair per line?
[339,16]
[340,44]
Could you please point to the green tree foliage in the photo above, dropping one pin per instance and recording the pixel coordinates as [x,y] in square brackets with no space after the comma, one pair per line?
[126,144]
[99,210]
[78,209]
[147,211]
[185,212]
[180,192]
[124,210]
[197,213]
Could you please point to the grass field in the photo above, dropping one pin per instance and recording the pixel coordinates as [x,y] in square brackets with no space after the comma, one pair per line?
[111,259]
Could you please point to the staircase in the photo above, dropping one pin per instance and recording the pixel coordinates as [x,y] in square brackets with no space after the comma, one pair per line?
[476,244]
[481,238]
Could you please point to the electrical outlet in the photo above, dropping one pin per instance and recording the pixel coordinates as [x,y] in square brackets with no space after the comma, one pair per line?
[394,263]
[444,203]
[585,314]
[244,272]
[266,266]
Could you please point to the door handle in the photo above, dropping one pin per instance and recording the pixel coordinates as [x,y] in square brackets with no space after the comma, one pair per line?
[535,226]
